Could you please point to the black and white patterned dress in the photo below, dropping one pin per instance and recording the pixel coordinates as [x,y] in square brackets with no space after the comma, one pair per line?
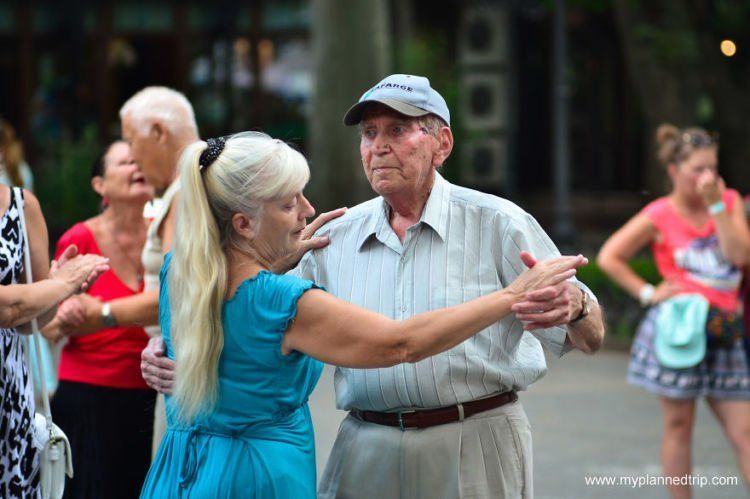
[19,462]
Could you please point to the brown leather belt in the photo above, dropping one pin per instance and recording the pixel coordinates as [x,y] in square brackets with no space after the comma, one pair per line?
[433,417]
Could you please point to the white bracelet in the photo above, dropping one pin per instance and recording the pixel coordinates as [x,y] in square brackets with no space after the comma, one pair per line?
[717,208]
[646,294]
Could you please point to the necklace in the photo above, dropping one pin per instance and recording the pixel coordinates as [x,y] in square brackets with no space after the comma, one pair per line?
[136,266]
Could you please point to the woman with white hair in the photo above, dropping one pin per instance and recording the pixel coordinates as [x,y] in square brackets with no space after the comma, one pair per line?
[248,343]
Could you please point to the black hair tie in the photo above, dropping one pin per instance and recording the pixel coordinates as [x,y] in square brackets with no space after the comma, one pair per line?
[209,154]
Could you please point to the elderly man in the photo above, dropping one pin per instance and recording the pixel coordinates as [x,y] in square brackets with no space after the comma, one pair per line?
[449,426]
[158,123]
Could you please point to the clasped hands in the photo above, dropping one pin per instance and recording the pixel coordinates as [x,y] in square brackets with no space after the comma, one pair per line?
[548,306]
[78,272]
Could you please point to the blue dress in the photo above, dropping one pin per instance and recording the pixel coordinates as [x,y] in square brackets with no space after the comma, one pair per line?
[258,441]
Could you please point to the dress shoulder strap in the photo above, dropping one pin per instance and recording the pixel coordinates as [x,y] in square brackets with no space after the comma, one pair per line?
[16,197]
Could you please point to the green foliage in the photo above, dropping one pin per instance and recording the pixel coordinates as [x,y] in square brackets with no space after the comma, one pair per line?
[591,5]
[64,182]
[705,110]
[675,46]
[731,16]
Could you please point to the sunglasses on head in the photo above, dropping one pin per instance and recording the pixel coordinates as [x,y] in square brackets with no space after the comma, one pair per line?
[698,139]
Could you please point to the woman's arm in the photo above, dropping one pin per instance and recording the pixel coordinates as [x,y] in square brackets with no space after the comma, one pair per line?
[52,331]
[38,246]
[620,247]
[733,234]
[143,308]
[343,334]
[19,303]
[731,228]
[140,310]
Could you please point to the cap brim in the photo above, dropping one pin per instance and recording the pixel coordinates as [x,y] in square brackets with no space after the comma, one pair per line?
[354,115]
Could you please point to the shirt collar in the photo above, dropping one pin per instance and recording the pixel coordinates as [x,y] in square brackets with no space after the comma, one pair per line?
[435,214]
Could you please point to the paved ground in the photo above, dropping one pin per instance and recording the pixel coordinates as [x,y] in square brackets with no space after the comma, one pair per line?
[586,422]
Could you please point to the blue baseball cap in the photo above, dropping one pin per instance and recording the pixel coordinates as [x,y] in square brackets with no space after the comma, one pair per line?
[406,94]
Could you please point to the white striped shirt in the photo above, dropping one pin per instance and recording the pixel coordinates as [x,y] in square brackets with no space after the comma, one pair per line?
[466,244]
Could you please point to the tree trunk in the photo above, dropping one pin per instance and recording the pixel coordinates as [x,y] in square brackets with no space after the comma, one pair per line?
[351,50]
[667,82]
[728,95]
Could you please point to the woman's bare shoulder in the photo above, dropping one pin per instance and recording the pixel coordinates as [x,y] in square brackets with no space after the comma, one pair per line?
[4,198]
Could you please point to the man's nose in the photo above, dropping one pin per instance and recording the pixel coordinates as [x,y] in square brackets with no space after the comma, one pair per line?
[381,144]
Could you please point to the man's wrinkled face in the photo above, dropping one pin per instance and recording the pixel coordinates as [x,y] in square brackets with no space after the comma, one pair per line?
[144,149]
[398,154]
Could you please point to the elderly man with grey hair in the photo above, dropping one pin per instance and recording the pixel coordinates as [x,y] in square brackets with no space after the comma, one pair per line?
[449,426]
[158,123]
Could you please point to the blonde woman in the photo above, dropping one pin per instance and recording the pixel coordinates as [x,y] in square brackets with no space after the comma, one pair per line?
[248,343]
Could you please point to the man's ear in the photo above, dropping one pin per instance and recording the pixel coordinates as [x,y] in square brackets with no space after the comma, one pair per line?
[445,140]
[244,226]
[159,132]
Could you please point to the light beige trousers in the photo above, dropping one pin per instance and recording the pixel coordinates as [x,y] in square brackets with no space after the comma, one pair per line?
[486,456]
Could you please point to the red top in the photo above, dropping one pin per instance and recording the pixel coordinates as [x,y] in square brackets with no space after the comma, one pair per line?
[692,256]
[109,357]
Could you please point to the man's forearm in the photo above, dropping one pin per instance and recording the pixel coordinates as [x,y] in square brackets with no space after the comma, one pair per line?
[138,310]
[587,334]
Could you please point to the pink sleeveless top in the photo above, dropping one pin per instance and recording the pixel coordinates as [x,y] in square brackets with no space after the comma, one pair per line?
[692,256]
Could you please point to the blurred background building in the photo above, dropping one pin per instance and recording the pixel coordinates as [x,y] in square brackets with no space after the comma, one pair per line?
[292,67]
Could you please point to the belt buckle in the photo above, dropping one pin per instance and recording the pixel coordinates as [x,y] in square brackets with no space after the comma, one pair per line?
[401,419]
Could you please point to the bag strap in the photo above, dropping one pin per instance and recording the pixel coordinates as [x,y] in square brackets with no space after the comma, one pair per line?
[34,324]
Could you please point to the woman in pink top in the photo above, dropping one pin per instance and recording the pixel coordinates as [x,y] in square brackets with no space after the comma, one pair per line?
[700,240]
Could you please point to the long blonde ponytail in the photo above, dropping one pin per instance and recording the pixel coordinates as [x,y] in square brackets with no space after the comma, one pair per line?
[198,338]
